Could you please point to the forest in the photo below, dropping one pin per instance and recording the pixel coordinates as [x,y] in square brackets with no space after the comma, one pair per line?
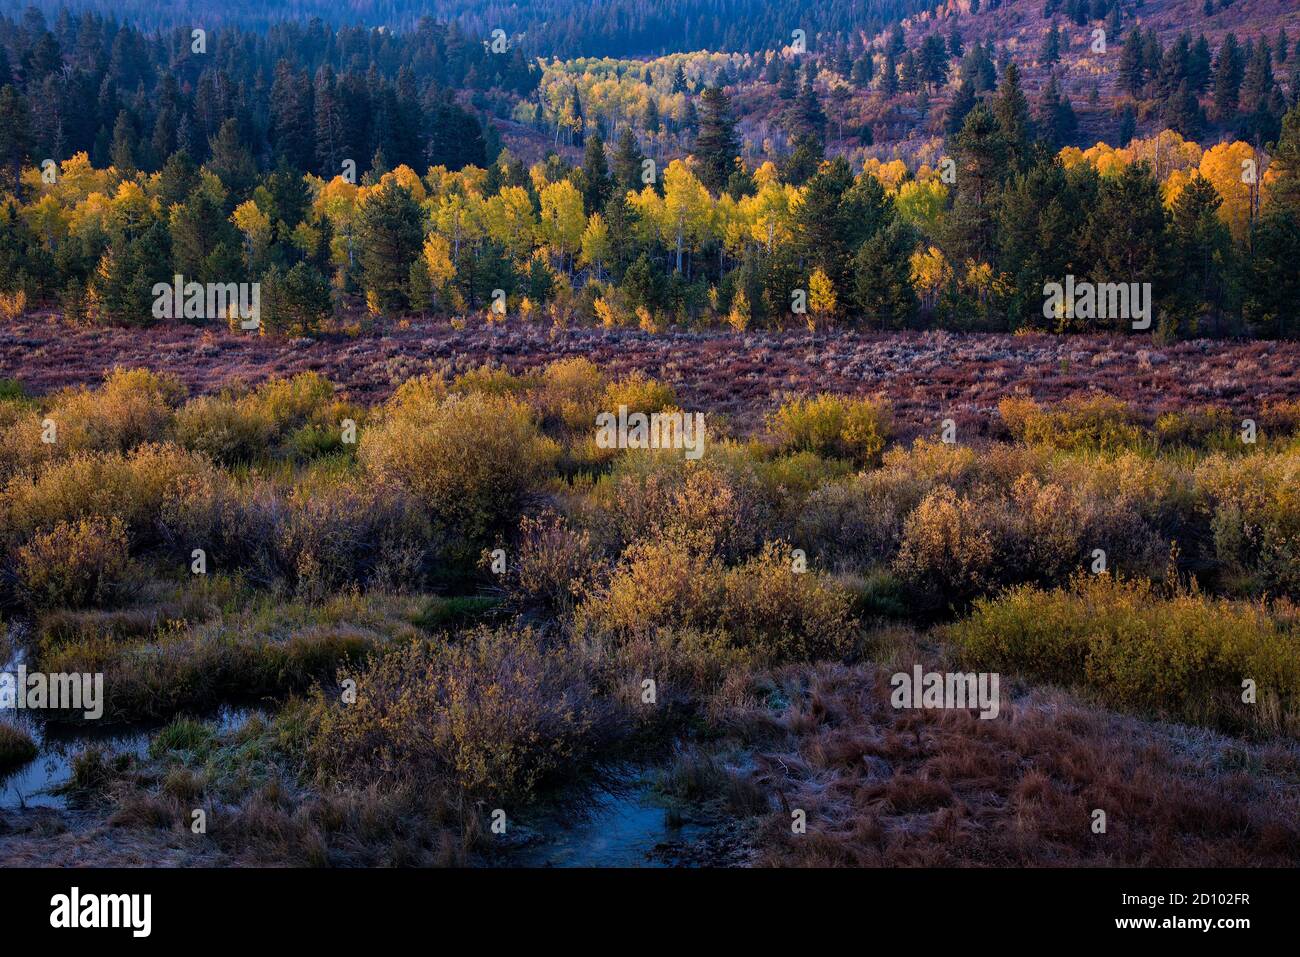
[361,173]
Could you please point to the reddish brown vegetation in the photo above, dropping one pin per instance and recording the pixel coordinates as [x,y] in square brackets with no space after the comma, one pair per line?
[897,787]
[928,376]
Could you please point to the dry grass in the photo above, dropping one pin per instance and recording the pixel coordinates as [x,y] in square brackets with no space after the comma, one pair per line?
[886,787]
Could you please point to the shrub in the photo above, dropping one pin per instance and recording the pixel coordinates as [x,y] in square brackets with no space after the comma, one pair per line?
[495,713]
[238,428]
[133,406]
[859,522]
[75,564]
[190,668]
[1183,656]
[947,547]
[762,604]
[493,380]
[332,534]
[792,616]
[151,481]
[717,502]
[469,459]
[555,564]
[1090,422]
[13,304]
[1254,512]
[224,429]
[847,428]
[571,394]
[16,747]
[639,393]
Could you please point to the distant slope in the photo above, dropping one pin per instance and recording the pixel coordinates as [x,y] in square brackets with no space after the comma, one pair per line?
[564,28]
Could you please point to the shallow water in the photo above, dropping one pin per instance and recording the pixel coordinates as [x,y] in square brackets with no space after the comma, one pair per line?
[30,785]
[624,825]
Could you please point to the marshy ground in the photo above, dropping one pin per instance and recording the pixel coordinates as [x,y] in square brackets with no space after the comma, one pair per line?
[349,681]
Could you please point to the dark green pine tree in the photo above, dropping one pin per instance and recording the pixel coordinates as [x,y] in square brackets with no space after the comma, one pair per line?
[1270,280]
[787,88]
[1056,121]
[1132,69]
[805,117]
[1284,166]
[1202,248]
[963,102]
[291,114]
[1040,218]
[1182,112]
[679,80]
[1127,234]
[598,185]
[628,160]
[803,160]
[231,161]
[1012,112]
[1051,51]
[1261,103]
[15,135]
[882,287]
[897,41]
[1127,126]
[1200,65]
[391,233]
[1228,73]
[716,146]
[889,75]
[122,152]
[820,225]
[981,153]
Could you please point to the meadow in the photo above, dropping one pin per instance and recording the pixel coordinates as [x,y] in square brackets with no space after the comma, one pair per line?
[449,607]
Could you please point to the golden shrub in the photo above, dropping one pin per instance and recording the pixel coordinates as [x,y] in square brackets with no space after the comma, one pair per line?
[849,428]
[469,459]
[75,564]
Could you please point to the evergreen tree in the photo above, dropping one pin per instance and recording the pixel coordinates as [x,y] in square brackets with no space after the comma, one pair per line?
[1271,281]
[1284,189]
[981,154]
[596,167]
[1012,112]
[716,146]
[1228,73]
[882,281]
[291,113]
[231,160]
[15,135]
[963,102]
[1132,69]
[1051,52]
[1182,112]
[1126,236]
[628,160]
[123,149]
[1057,123]
[391,233]
[1202,249]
